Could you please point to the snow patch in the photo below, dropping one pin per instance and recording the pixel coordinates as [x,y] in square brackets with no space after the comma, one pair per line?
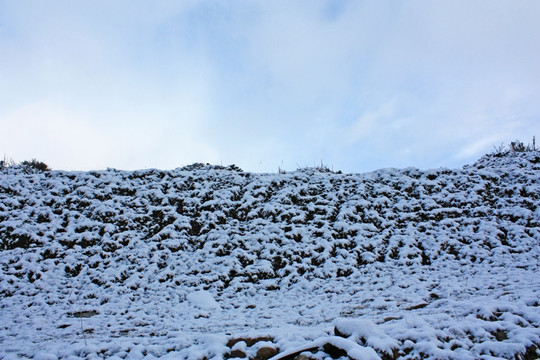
[203,300]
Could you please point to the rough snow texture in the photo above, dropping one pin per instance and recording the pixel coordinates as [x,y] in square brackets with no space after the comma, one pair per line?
[439,264]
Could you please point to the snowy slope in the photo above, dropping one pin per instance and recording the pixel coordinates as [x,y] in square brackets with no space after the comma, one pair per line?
[202,262]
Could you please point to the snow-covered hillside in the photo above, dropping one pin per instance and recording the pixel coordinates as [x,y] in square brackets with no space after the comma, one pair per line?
[204,261]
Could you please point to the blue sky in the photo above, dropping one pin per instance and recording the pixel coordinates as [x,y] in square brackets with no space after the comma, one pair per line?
[358,85]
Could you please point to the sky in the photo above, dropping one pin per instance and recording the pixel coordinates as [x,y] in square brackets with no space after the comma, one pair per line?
[354,85]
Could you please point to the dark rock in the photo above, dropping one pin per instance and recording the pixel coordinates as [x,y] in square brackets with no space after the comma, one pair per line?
[266,352]
[334,351]
[249,341]
[237,354]
[415,307]
[337,332]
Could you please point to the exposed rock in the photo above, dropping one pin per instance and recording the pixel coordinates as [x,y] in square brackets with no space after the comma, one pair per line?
[237,354]
[266,352]
[83,314]
[249,341]
[418,306]
[334,351]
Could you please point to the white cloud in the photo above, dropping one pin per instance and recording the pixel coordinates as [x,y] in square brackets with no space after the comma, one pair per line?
[359,84]
[53,135]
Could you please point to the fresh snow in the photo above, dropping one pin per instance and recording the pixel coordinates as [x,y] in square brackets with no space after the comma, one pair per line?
[202,299]
[202,262]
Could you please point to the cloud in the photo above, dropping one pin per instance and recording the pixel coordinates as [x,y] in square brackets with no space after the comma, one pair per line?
[451,74]
[136,105]
[362,85]
[71,140]
[52,134]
